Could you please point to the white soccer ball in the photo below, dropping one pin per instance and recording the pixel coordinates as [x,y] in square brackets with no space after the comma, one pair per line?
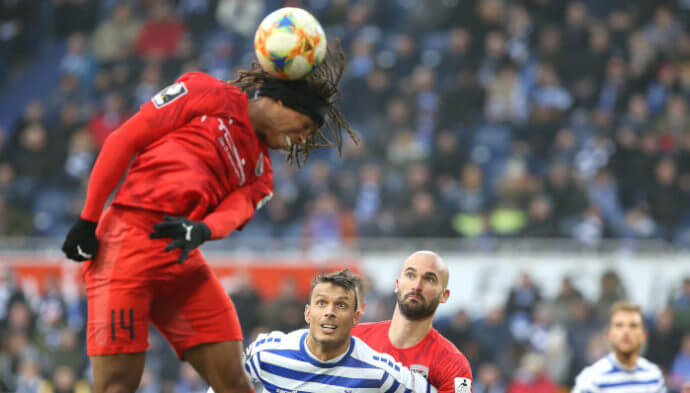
[290,43]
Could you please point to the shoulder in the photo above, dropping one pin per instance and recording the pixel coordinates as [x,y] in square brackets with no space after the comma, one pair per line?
[370,327]
[273,340]
[451,360]
[595,370]
[364,353]
[646,365]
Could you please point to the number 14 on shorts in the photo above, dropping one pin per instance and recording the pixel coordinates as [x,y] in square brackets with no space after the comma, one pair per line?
[114,325]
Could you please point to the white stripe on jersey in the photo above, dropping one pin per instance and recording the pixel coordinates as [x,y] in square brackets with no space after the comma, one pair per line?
[608,376]
[282,363]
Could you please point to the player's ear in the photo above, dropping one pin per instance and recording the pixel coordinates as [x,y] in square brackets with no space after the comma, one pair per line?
[306,314]
[397,288]
[357,317]
[445,296]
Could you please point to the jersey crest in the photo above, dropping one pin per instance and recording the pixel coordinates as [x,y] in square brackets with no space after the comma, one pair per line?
[169,94]
[419,369]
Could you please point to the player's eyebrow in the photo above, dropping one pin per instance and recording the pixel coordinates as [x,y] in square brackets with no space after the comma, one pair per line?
[411,268]
[431,274]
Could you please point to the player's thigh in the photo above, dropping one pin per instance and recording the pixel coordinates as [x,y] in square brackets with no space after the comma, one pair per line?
[192,308]
[118,293]
[117,373]
[220,364]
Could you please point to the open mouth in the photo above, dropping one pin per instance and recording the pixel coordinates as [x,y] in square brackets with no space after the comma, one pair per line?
[328,327]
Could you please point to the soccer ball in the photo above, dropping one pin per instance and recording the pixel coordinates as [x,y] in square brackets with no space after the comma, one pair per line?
[290,43]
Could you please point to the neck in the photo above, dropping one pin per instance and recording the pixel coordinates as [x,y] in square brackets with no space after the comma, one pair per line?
[324,352]
[627,360]
[405,333]
[254,113]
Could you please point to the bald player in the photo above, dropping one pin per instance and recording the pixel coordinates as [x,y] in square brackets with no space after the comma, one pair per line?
[409,337]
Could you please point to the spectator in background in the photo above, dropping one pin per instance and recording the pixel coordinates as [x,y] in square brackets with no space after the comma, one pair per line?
[29,379]
[531,376]
[108,119]
[679,372]
[664,340]
[114,38]
[240,16]
[523,298]
[489,380]
[161,35]
[665,197]
[328,226]
[680,304]
[78,60]
[611,290]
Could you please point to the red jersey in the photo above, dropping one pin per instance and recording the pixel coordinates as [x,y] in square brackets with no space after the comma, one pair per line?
[197,156]
[434,357]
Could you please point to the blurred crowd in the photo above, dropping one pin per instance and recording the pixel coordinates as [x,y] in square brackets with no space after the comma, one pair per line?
[525,342]
[479,119]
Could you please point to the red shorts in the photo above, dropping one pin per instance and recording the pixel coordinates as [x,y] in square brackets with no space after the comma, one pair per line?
[133,281]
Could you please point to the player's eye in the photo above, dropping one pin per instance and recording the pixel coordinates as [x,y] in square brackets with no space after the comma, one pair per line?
[320,303]
[431,279]
[341,305]
[410,275]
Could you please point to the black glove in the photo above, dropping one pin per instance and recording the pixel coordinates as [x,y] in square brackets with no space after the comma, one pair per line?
[188,234]
[81,242]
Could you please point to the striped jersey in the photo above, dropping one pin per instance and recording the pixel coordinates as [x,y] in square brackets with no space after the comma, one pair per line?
[608,376]
[282,363]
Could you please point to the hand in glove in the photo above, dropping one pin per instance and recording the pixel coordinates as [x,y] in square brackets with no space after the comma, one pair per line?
[81,242]
[186,234]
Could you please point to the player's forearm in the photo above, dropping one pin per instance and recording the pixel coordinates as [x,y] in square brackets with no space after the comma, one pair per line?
[111,164]
[235,211]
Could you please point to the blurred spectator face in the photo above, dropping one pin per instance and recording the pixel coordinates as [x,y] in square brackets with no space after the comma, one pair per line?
[599,39]
[664,321]
[76,44]
[33,138]
[378,81]
[404,45]
[421,286]
[626,332]
[397,111]
[489,374]
[371,174]
[458,40]
[627,138]
[550,41]
[114,103]
[162,11]
[16,343]
[122,12]
[558,175]
[578,311]
[609,283]
[6,174]
[619,21]
[576,14]
[663,18]
[64,379]
[637,106]
[495,316]
[472,177]
[565,139]
[616,70]
[33,112]
[547,76]
[320,171]
[357,15]
[417,176]
[446,141]
[19,317]
[666,172]
[69,114]
[423,204]
[491,12]
[494,44]
[540,209]
[326,204]
[422,79]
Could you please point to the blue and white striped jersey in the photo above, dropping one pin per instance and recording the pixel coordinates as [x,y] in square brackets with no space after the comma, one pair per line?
[608,376]
[282,363]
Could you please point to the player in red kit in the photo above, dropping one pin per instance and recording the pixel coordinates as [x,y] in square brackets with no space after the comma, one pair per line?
[201,169]
[409,337]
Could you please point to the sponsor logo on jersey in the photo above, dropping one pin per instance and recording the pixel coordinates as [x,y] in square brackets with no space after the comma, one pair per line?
[419,369]
[169,94]
[463,385]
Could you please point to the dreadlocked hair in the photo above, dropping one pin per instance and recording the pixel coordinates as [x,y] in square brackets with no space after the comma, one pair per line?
[323,82]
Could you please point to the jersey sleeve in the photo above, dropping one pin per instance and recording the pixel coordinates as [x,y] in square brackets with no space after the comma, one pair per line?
[191,95]
[455,375]
[400,379]
[239,207]
[252,355]
[584,383]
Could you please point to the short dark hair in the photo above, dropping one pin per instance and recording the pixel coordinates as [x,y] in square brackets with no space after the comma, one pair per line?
[344,279]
